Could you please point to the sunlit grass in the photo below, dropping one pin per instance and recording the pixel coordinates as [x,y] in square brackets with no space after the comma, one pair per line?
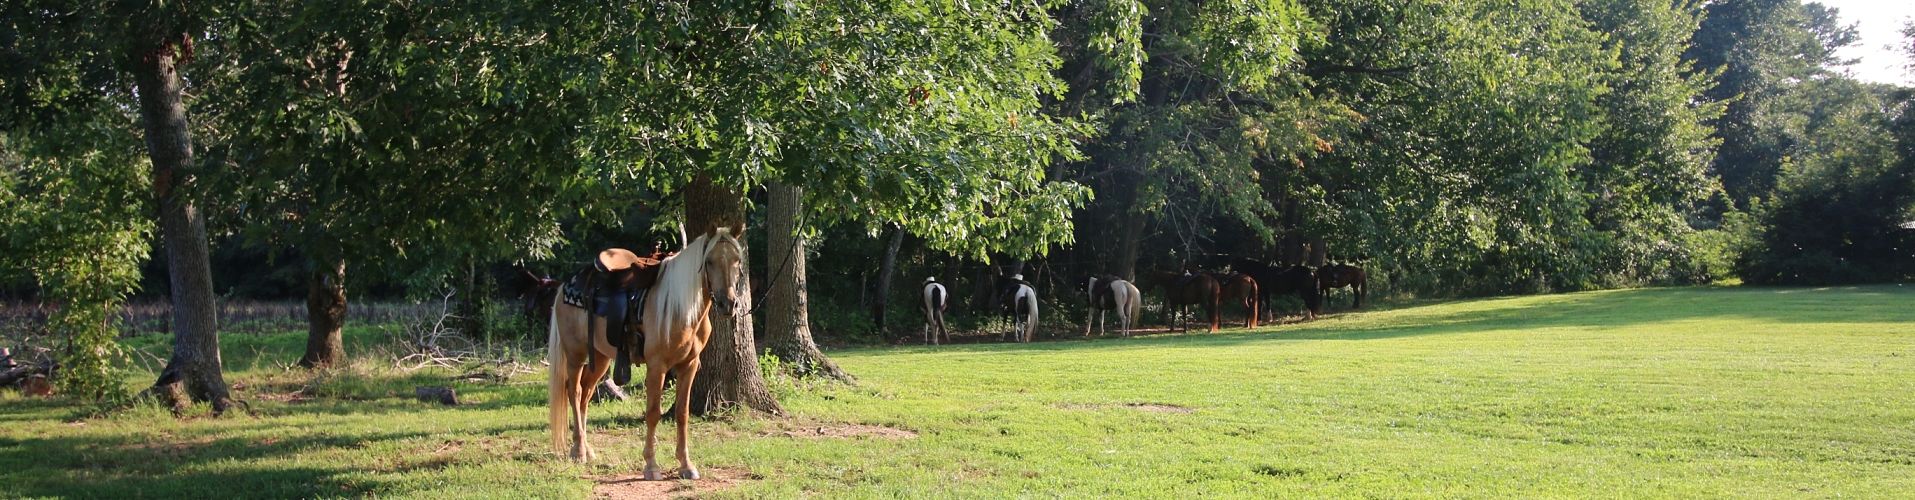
[1662,392]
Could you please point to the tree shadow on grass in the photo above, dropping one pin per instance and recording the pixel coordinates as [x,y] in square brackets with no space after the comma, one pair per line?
[1606,310]
[199,467]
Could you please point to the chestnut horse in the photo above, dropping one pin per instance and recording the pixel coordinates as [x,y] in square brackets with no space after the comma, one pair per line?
[934,305]
[1184,290]
[676,324]
[1297,280]
[1240,289]
[1336,276]
[1108,293]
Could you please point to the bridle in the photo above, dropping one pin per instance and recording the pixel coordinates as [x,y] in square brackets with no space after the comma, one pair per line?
[711,292]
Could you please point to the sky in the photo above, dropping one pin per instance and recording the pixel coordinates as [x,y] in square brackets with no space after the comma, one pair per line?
[1879,22]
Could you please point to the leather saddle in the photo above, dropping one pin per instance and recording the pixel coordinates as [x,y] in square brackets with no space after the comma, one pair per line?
[614,290]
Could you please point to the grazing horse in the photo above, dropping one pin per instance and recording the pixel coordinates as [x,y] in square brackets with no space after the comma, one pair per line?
[1240,289]
[675,326]
[1108,293]
[1297,280]
[1184,290]
[1019,301]
[934,305]
[1336,276]
[538,294]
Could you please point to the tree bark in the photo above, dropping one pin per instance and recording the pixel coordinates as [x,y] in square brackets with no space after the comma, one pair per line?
[471,303]
[887,270]
[1319,252]
[728,375]
[325,315]
[788,305]
[195,367]
[1126,264]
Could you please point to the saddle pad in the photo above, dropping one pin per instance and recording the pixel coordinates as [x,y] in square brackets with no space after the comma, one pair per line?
[572,295]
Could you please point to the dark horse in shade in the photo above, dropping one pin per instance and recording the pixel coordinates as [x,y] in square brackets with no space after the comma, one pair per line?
[1182,290]
[1293,280]
[1240,289]
[1336,276]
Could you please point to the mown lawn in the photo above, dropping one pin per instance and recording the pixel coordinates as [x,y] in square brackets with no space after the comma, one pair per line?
[1694,392]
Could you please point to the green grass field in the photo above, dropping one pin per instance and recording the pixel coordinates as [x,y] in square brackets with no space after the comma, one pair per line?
[1693,392]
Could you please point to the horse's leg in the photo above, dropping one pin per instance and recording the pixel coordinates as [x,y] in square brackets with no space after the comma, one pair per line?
[682,413]
[1216,313]
[558,395]
[587,385]
[574,370]
[1087,317]
[937,319]
[654,389]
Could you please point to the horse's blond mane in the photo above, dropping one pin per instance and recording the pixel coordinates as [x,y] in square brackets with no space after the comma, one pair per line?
[681,287]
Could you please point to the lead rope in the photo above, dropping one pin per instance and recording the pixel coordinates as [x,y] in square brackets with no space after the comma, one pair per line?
[760,301]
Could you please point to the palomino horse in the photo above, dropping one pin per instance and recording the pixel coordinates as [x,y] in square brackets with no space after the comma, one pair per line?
[1184,290]
[1336,276]
[934,304]
[1239,289]
[1108,293]
[675,326]
[1297,280]
[1020,303]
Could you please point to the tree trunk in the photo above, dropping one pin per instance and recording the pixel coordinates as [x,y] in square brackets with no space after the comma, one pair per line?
[195,366]
[728,374]
[470,308]
[325,315]
[1319,252]
[788,304]
[1126,265]
[887,269]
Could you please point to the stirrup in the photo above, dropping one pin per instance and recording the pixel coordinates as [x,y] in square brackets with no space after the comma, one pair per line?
[622,366]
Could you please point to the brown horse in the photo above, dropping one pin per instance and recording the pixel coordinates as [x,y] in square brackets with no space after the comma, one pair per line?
[1336,276]
[1186,289]
[1240,289]
[675,326]
[1298,280]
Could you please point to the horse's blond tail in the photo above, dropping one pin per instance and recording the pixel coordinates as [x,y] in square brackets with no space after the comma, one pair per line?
[555,355]
[1133,306]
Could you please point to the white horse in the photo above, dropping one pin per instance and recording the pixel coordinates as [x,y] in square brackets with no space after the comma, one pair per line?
[1109,293]
[934,305]
[1023,310]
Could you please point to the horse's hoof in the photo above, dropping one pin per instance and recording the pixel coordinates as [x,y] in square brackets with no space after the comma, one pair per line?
[651,474]
[688,473]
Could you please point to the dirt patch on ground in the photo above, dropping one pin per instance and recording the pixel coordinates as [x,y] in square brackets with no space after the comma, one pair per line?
[294,397]
[821,430]
[634,486]
[1158,408]
[1145,407]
